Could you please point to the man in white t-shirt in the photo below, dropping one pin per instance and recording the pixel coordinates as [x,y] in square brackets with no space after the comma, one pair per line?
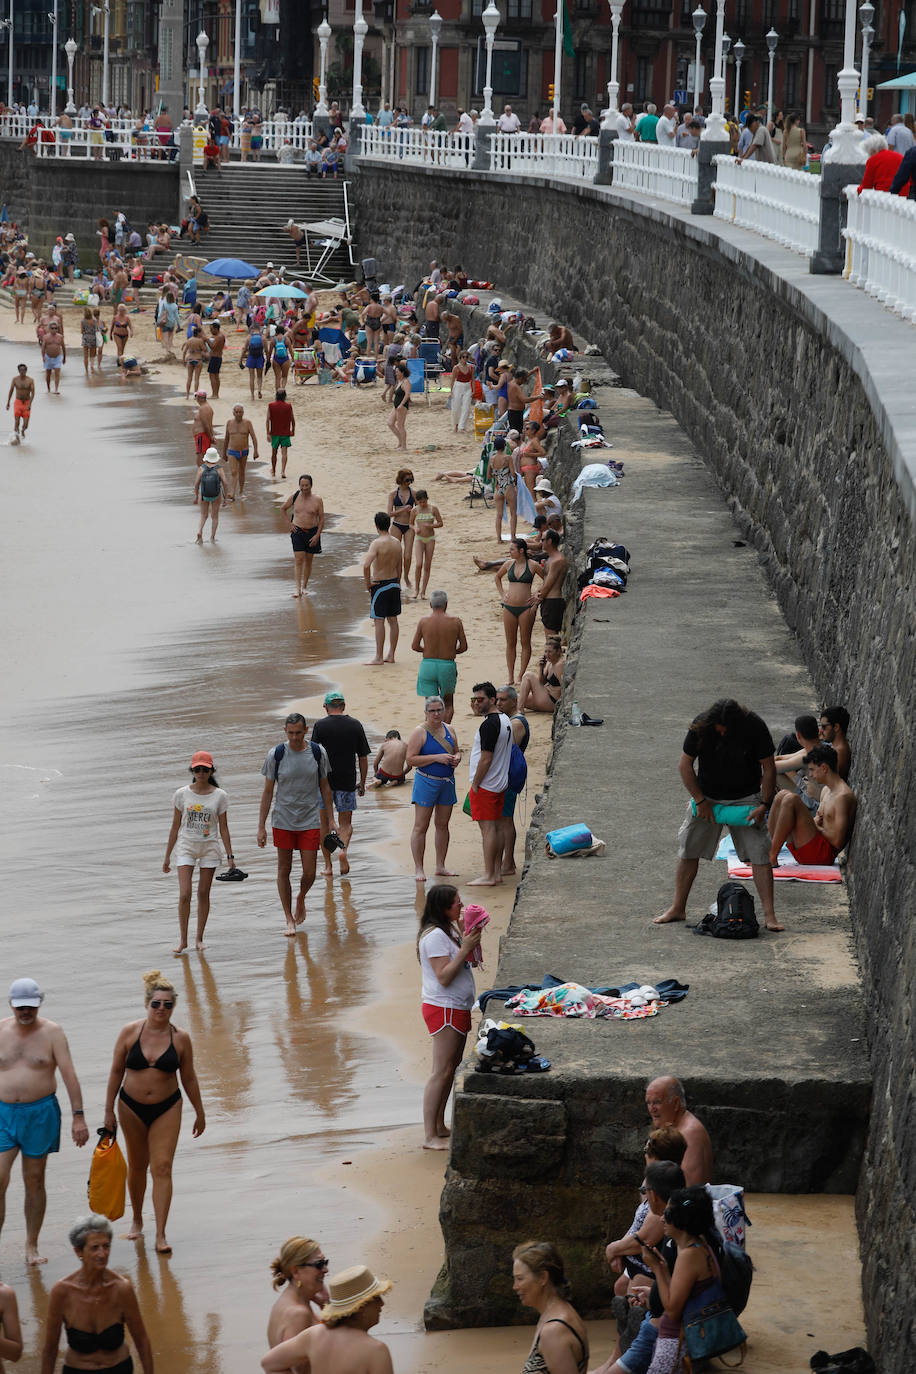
[489,778]
[666,127]
[508,123]
[626,130]
[465,123]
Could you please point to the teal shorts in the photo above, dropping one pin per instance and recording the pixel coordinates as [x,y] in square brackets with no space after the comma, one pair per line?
[32,1127]
[437,677]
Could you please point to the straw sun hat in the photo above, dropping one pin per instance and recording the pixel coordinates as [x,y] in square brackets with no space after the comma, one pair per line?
[350,1290]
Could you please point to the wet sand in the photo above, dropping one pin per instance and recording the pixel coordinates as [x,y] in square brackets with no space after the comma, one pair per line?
[131,648]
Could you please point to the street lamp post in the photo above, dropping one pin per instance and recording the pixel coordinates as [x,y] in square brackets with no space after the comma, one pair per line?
[106,10]
[237,65]
[715,125]
[490,19]
[435,28]
[866,15]
[699,22]
[203,43]
[772,40]
[845,140]
[324,34]
[70,50]
[739,51]
[360,29]
[613,86]
[52,103]
[8,25]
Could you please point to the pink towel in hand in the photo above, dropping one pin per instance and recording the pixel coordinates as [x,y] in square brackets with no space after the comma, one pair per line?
[475,917]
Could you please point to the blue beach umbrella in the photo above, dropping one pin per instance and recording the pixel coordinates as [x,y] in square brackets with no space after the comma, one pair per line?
[282,292]
[233,269]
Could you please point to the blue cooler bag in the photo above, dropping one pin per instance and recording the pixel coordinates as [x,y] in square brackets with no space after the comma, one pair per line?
[568,840]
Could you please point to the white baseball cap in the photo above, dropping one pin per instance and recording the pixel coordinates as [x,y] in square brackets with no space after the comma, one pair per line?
[25,992]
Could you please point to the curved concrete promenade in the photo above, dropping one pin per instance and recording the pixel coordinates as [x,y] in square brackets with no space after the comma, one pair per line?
[792,391]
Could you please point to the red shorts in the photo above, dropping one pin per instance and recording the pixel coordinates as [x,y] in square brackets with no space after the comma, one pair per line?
[201,443]
[438,1017]
[486,806]
[817,851]
[297,839]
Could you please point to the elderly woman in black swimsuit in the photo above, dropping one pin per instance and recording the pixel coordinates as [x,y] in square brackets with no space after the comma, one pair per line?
[401,502]
[149,1056]
[540,690]
[560,1343]
[519,602]
[93,1305]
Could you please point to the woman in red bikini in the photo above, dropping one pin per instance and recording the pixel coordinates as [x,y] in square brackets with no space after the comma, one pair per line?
[149,1056]
[527,454]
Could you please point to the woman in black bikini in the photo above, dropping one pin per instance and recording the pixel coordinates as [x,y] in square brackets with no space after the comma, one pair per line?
[560,1343]
[519,603]
[397,420]
[93,1305]
[149,1055]
[400,503]
[540,690]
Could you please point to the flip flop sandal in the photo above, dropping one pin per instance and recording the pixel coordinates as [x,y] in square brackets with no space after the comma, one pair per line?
[231,875]
[592,720]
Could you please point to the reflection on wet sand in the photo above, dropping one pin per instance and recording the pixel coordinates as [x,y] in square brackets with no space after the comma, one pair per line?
[220,1031]
[162,1302]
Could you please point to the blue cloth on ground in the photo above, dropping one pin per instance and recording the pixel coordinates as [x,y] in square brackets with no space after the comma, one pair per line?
[729,853]
[593,475]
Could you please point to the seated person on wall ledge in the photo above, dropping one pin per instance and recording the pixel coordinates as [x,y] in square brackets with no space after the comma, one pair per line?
[815,839]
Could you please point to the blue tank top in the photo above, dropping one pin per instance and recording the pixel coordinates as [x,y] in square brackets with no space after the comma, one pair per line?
[432,746]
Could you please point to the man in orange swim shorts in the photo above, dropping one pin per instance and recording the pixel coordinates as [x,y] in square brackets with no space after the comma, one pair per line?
[24,388]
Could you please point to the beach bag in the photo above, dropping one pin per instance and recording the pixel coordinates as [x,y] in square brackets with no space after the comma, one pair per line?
[569,839]
[727,813]
[99,339]
[734,917]
[711,1327]
[468,298]
[518,769]
[210,483]
[737,1275]
[731,1219]
[281,352]
[107,1177]
[325,376]
[92,299]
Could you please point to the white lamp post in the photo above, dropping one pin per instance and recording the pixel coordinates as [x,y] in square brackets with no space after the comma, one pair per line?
[866,15]
[772,40]
[52,103]
[360,29]
[203,43]
[490,19]
[739,51]
[324,34]
[699,22]
[106,11]
[845,140]
[237,65]
[8,25]
[715,124]
[613,86]
[557,60]
[70,50]
[435,28]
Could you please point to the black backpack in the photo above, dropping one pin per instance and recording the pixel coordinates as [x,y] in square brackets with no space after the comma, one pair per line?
[734,917]
[737,1272]
[210,483]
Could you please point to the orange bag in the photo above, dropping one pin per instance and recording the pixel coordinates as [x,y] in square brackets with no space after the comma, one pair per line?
[536,404]
[107,1177]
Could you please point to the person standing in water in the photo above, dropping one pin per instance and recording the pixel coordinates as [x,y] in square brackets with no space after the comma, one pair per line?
[382,575]
[306,512]
[53,356]
[237,442]
[199,820]
[24,388]
[209,490]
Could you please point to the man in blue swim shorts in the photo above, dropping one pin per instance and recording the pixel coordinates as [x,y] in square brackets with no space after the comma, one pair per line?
[32,1050]
[440,638]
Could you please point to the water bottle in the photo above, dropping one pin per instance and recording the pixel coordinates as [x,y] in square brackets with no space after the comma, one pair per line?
[575,715]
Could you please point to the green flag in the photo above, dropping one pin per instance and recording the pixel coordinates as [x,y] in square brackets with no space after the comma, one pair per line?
[567,33]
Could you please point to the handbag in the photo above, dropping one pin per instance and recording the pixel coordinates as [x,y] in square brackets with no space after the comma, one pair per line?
[107,1177]
[713,1329]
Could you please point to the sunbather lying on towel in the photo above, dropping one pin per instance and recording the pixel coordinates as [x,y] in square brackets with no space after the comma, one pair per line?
[815,839]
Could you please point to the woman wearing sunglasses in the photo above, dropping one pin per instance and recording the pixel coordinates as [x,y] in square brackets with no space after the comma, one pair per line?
[200,816]
[302,1267]
[149,1057]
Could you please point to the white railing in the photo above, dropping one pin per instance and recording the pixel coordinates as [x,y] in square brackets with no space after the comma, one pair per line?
[880,238]
[416,147]
[91,143]
[556,155]
[778,202]
[274,133]
[666,173]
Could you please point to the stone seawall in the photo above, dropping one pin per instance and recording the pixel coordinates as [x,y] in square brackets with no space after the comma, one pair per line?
[51,196]
[790,388]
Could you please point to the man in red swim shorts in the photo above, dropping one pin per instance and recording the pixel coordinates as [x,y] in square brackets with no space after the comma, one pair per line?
[490,755]
[202,426]
[24,388]
[297,771]
[814,840]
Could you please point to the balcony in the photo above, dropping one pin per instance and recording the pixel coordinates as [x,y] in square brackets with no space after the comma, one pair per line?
[650,14]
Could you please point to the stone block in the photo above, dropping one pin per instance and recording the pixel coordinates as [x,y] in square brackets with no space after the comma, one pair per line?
[513,1138]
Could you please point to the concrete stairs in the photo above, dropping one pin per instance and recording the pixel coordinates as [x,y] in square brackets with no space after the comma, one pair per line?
[249,205]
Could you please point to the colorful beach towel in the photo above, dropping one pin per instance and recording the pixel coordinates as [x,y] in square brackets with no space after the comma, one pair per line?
[573,1000]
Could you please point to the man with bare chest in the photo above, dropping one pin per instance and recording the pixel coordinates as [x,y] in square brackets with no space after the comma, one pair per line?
[53,355]
[431,322]
[193,353]
[202,425]
[24,388]
[215,345]
[382,574]
[32,1051]
[553,602]
[306,512]
[237,443]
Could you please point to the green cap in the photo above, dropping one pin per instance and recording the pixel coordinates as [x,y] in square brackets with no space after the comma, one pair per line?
[331,697]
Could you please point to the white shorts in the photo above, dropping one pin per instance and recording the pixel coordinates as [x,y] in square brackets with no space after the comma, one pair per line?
[202,852]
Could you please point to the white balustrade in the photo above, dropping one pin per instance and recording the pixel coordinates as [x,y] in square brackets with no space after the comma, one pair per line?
[880,238]
[86,144]
[778,202]
[665,173]
[555,155]
[416,147]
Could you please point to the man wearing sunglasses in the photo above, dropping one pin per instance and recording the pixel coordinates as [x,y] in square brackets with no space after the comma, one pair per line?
[32,1051]
[296,785]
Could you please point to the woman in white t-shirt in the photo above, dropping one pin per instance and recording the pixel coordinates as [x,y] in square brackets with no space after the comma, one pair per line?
[200,819]
[448,995]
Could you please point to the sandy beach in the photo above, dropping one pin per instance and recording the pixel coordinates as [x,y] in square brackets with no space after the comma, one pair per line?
[343,441]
